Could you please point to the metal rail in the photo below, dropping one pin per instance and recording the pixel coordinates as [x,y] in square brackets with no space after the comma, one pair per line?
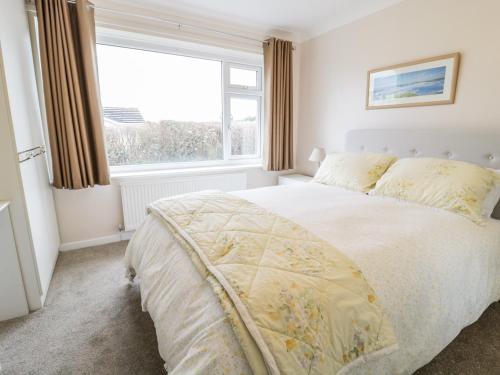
[30,153]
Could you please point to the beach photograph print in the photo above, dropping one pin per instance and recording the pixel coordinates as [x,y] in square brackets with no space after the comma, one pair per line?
[423,82]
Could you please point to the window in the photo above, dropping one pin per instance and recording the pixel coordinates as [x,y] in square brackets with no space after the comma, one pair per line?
[244,78]
[162,108]
[244,125]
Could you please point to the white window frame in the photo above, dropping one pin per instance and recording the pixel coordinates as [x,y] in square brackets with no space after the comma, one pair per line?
[228,59]
[241,88]
[245,92]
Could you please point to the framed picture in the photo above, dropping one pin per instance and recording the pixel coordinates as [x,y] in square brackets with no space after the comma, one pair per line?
[423,82]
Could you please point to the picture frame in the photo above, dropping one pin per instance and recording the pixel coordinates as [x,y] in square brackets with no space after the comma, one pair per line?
[430,81]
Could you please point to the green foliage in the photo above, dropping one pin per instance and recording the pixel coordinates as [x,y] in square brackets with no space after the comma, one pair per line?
[174,141]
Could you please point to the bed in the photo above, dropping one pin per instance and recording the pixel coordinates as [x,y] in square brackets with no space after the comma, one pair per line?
[434,272]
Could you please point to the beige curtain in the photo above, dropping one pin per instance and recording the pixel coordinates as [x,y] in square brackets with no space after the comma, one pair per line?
[71,92]
[278,82]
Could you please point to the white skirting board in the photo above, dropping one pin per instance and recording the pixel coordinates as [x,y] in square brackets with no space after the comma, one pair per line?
[122,236]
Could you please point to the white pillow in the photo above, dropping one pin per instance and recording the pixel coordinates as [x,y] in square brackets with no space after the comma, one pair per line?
[357,172]
[452,185]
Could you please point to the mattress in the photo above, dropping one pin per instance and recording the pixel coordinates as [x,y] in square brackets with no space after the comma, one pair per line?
[434,273]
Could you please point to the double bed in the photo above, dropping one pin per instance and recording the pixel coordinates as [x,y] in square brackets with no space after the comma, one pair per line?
[434,272]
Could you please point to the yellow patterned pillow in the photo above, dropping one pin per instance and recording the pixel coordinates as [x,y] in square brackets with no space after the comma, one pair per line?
[452,185]
[358,172]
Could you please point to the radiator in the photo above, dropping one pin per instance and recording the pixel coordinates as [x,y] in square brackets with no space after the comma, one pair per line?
[137,194]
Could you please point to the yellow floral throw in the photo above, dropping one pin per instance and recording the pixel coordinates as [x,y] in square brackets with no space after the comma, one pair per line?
[296,303]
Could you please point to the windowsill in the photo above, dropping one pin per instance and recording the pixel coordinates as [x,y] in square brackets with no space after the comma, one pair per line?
[131,176]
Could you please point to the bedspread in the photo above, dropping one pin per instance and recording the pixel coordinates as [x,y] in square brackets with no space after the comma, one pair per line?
[433,273]
[304,304]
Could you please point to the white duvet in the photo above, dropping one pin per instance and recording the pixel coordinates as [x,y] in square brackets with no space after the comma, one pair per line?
[434,272]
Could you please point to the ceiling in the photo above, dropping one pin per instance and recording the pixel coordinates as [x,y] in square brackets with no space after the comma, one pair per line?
[302,18]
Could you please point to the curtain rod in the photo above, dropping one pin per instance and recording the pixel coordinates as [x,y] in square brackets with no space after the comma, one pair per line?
[175,23]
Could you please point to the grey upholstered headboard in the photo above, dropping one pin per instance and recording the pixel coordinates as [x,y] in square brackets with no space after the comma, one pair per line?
[479,147]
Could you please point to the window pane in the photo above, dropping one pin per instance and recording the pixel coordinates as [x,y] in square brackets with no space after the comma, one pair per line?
[243,77]
[159,107]
[244,122]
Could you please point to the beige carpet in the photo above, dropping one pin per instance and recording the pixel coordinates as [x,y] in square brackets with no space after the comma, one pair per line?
[93,324]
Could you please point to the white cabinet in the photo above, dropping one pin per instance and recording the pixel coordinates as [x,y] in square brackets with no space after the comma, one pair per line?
[289,179]
[13,301]
[24,182]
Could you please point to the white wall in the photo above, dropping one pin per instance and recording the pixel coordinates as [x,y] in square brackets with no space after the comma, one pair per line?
[89,213]
[186,17]
[334,67]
